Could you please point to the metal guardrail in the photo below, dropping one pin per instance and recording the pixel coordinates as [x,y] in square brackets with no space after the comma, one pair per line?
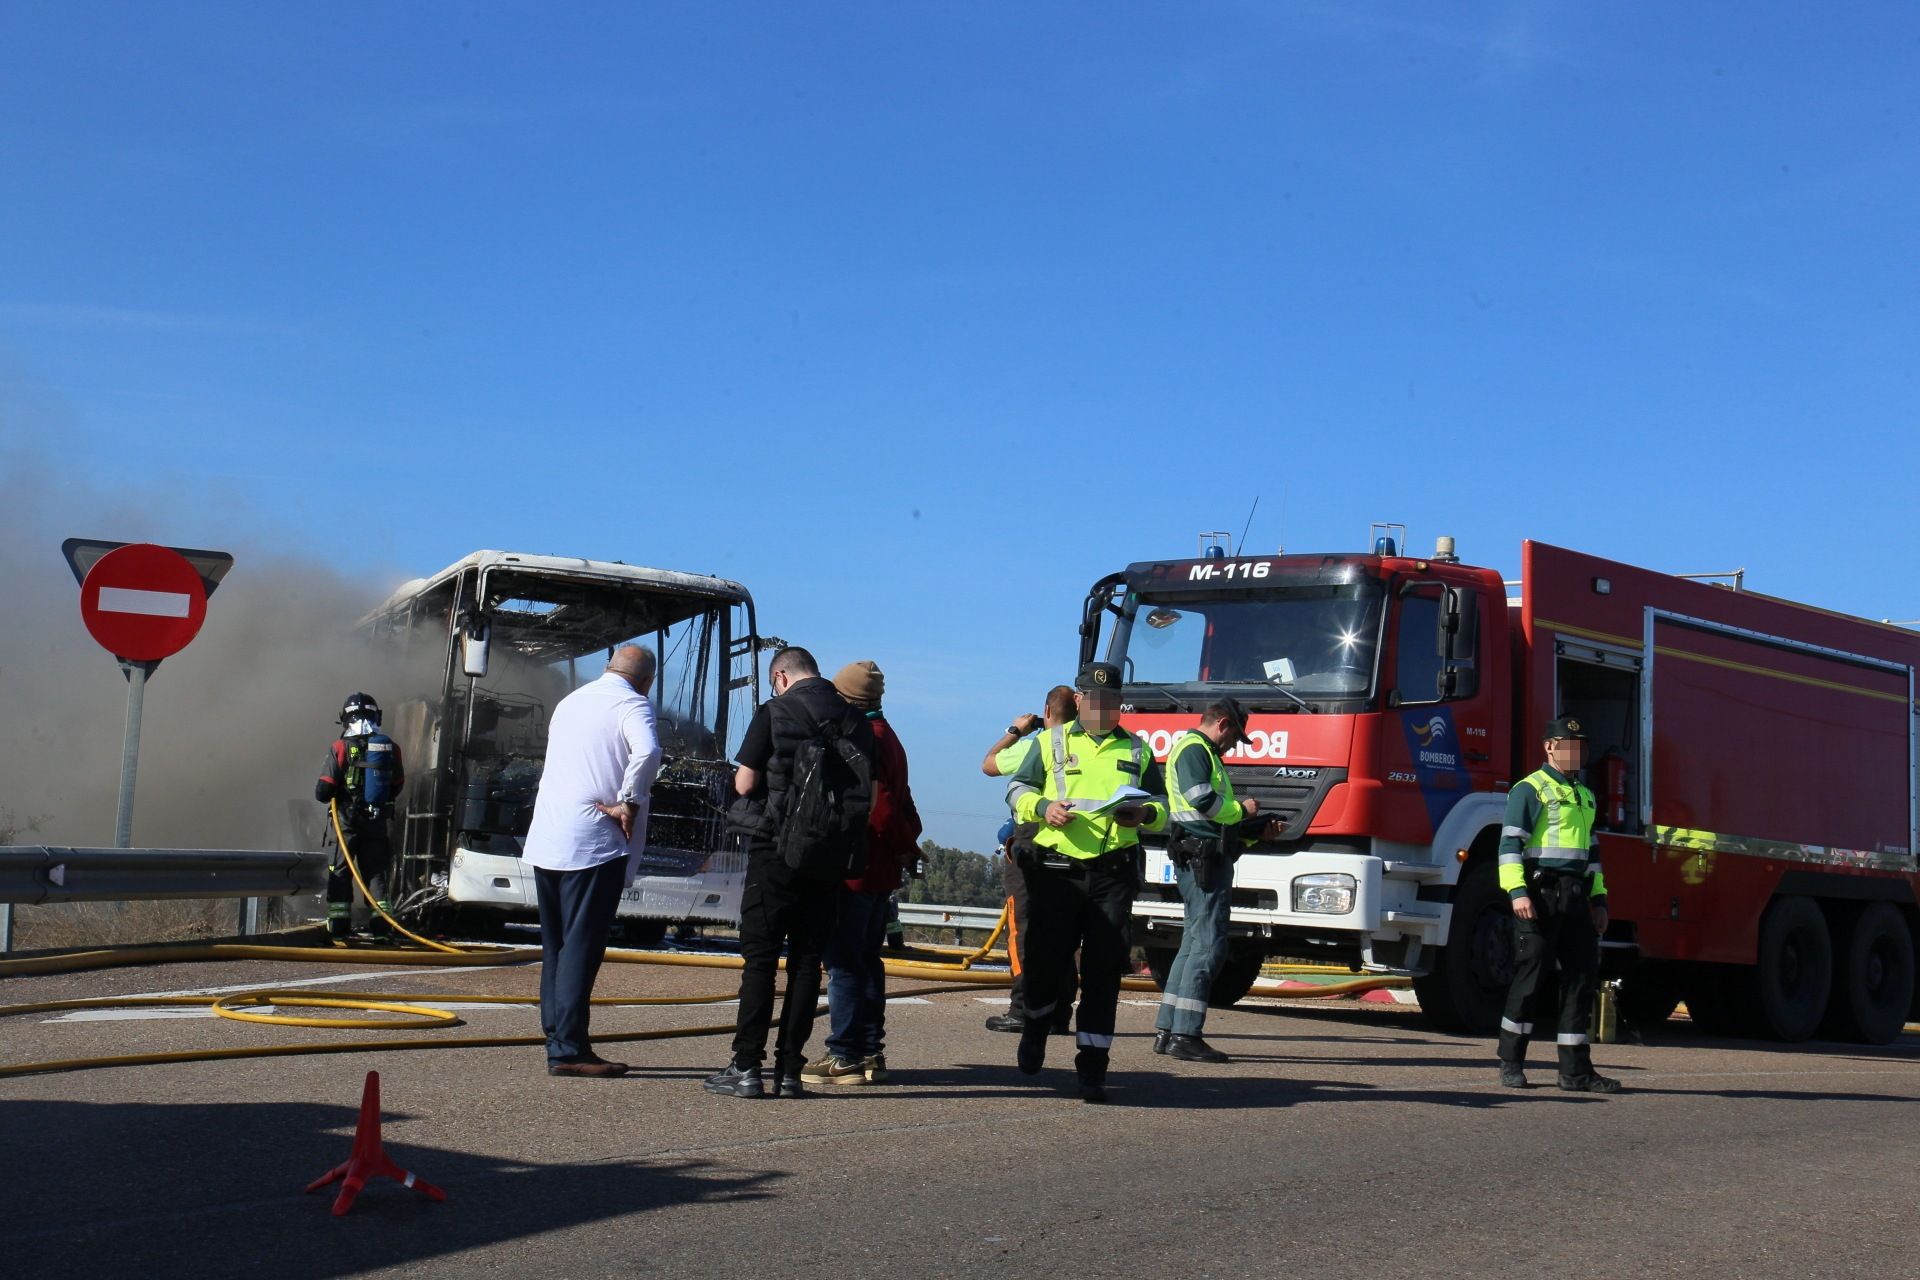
[35,873]
[940,916]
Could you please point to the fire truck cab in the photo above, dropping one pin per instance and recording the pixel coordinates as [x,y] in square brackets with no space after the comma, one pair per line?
[1754,763]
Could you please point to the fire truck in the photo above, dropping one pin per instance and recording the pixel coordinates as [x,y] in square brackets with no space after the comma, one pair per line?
[1753,759]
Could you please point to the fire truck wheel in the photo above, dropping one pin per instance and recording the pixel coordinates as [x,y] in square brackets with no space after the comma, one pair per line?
[1648,996]
[1466,987]
[1872,977]
[1794,973]
[1160,964]
[1237,974]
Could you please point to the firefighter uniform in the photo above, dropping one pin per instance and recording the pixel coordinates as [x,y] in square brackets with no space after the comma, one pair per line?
[1206,838]
[363,775]
[1081,878]
[1549,855]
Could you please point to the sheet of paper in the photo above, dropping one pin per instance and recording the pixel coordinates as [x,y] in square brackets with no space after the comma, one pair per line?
[1125,795]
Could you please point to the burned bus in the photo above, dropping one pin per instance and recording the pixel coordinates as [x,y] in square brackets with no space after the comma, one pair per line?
[488,646]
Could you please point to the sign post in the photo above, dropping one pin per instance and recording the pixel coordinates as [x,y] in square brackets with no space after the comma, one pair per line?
[142,603]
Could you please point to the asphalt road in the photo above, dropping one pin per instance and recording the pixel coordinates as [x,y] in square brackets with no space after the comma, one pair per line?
[1341,1141]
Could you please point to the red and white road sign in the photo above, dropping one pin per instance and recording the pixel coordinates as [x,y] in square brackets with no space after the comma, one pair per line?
[143,602]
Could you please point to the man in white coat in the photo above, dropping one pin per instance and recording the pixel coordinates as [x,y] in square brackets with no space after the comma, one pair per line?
[589,823]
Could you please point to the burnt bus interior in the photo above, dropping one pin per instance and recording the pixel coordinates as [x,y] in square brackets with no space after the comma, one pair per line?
[511,643]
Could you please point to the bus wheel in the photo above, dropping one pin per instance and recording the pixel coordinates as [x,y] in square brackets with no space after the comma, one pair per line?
[643,933]
[1466,989]
[1873,977]
[1795,969]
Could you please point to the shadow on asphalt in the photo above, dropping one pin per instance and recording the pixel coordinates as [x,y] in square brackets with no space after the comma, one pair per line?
[135,1189]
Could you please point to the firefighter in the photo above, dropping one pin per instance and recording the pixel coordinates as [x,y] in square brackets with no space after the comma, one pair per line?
[363,776]
[1550,867]
[1211,828]
[1082,868]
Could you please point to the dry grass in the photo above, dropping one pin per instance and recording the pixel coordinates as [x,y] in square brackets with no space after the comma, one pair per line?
[114,924]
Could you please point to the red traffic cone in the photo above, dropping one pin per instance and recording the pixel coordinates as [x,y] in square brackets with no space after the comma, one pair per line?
[369,1160]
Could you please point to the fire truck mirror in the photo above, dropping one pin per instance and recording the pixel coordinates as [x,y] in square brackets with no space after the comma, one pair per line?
[1459,625]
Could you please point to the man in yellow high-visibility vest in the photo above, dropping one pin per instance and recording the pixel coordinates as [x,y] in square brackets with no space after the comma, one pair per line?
[1550,868]
[1086,794]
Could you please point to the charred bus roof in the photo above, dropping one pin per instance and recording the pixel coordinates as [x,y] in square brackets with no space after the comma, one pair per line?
[551,608]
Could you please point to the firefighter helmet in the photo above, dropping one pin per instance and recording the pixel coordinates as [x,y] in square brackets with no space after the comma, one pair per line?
[360,706]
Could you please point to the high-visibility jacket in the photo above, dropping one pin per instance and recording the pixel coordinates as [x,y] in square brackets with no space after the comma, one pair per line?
[1199,793]
[1073,765]
[1549,826]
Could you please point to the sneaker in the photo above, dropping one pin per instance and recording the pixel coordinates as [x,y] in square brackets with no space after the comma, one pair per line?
[1512,1076]
[1032,1054]
[1193,1049]
[834,1070]
[789,1087]
[740,1082]
[1589,1083]
[1007,1022]
[1160,1041]
[876,1068]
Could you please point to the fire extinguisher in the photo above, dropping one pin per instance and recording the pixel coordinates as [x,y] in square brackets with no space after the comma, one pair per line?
[1613,775]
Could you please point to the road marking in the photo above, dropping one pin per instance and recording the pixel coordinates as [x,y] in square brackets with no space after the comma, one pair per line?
[318,982]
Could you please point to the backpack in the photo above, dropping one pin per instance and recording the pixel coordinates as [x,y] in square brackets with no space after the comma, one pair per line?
[822,833]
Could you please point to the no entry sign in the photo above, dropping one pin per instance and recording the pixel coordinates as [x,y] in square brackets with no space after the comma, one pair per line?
[143,602]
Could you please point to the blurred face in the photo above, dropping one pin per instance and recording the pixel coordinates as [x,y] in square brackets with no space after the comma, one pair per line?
[1099,710]
[1568,755]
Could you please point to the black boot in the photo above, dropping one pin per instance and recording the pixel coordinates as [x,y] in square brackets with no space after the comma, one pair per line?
[1032,1054]
[1160,1040]
[1589,1083]
[1007,1022]
[1193,1049]
[1512,1075]
[1091,1066]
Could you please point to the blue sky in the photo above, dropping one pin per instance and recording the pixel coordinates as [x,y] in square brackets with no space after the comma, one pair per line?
[917,318]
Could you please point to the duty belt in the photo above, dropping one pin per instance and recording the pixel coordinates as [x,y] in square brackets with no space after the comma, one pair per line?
[1112,860]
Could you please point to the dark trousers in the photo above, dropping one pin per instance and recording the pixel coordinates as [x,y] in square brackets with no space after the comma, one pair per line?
[1088,908]
[857,977]
[779,908]
[1561,933]
[1014,881]
[373,854]
[576,913]
[1206,887]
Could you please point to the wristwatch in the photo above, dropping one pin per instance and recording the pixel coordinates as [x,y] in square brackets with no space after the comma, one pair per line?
[1013,731]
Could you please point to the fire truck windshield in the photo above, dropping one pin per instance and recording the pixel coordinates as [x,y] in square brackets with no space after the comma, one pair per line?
[1316,643]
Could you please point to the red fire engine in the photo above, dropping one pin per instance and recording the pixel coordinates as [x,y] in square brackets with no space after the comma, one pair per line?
[1754,761]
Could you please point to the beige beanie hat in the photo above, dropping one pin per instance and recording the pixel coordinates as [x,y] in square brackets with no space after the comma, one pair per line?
[861,683]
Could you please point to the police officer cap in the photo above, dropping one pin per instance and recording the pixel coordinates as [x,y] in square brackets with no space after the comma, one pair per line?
[1236,717]
[1098,675]
[1569,727]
